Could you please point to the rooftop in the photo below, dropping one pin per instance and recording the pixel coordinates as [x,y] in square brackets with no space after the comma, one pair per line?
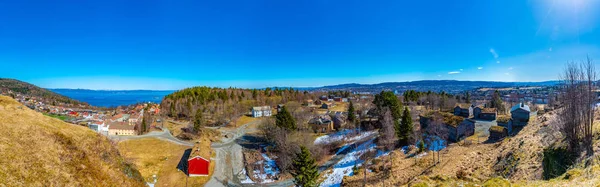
[520,106]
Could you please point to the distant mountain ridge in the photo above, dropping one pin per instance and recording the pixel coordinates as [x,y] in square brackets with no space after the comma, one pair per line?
[451,86]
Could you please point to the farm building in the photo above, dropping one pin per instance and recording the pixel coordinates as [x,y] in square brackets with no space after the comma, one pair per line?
[338,121]
[520,114]
[459,128]
[322,124]
[326,105]
[318,102]
[498,132]
[463,110]
[429,117]
[261,111]
[485,113]
[198,164]
[505,122]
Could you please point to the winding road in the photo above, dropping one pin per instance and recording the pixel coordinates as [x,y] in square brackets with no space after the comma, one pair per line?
[165,134]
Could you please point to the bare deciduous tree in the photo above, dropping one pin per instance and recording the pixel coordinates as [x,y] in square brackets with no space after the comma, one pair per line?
[577,98]
[387,131]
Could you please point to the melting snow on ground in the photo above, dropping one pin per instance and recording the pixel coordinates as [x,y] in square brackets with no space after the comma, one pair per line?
[345,165]
[348,135]
[269,171]
[247,180]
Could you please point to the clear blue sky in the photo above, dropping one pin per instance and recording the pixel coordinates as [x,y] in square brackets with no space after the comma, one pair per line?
[115,44]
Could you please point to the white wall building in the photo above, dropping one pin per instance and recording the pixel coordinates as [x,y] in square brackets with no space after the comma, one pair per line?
[261,111]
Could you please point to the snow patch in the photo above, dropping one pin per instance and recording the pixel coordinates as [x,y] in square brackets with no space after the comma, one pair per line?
[345,165]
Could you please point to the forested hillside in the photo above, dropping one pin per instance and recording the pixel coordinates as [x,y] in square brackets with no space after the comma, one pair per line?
[219,105]
[47,96]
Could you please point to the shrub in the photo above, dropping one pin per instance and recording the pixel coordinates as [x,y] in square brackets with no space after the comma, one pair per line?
[556,161]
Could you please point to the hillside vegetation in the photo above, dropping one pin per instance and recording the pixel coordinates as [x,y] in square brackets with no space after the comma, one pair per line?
[37,150]
[48,96]
[220,105]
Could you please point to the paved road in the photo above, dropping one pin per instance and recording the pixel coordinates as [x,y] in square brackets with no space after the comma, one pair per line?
[163,135]
[187,123]
[229,160]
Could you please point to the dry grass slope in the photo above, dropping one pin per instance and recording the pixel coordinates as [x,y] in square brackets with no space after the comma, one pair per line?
[36,150]
[157,157]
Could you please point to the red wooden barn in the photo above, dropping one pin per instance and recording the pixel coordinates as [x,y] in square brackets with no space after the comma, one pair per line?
[198,166]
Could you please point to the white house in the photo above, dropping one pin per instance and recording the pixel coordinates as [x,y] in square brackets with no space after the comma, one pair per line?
[261,111]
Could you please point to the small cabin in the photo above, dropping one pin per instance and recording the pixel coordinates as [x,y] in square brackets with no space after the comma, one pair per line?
[485,113]
[459,130]
[498,133]
[520,114]
[321,124]
[463,110]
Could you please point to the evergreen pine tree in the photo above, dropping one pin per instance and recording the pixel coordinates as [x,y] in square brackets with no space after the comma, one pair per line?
[198,120]
[285,120]
[304,169]
[144,125]
[468,98]
[405,128]
[351,113]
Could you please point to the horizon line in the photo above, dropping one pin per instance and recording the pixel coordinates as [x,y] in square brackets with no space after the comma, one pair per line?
[302,87]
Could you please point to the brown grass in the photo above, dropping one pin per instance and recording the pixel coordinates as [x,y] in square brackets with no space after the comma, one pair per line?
[157,157]
[174,128]
[36,150]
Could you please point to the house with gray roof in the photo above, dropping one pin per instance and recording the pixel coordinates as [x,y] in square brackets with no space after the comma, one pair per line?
[520,114]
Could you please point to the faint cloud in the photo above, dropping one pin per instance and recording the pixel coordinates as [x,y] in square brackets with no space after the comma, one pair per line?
[439,75]
[494,53]
[461,69]
[550,49]
[498,62]
[453,72]
[506,73]
[510,68]
[479,67]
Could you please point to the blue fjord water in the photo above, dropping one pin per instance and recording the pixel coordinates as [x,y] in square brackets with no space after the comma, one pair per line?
[108,98]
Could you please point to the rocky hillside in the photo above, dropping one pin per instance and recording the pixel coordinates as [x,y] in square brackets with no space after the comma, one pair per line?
[516,161]
[27,89]
[36,150]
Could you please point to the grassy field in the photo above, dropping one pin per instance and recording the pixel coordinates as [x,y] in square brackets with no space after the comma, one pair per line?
[157,157]
[58,116]
[174,128]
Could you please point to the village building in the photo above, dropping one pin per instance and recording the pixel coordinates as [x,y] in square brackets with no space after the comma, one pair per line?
[318,102]
[338,121]
[520,114]
[121,129]
[464,110]
[323,98]
[457,132]
[321,124]
[308,102]
[261,111]
[327,105]
[498,133]
[485,113]
[505,122]
[120,118]
[197,163]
